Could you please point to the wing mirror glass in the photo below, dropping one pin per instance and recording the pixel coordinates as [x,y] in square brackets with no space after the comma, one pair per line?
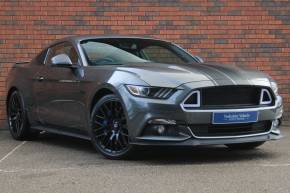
[62,60]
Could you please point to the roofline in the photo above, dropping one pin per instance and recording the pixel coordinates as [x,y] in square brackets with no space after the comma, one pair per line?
[80,38]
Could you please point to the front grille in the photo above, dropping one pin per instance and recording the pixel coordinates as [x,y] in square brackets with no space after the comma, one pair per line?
[238,96]
[210,130]
[230,96]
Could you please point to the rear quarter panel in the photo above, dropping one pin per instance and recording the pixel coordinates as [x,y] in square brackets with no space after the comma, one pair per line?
[20,77]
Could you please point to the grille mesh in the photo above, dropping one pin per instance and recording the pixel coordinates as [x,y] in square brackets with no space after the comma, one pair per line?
[230,96]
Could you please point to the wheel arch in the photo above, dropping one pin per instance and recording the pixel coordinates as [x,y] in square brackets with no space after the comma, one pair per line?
[99,94]
[105,89]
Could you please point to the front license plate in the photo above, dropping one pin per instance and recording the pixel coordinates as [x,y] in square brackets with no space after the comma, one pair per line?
[234,117]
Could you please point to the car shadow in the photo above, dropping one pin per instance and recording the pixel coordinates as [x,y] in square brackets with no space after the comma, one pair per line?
[167,155]
[201,155]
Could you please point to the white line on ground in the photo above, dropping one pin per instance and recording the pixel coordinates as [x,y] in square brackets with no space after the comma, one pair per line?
[12,151]
[276,165]
[39,170]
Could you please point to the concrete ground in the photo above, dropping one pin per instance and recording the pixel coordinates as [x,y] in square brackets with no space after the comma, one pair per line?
[60,164]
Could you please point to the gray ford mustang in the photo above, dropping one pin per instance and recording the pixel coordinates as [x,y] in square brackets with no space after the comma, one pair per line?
[120,92]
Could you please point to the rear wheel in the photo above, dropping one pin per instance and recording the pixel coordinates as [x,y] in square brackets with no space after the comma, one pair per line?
[245,146]
[17,118]
[110,135]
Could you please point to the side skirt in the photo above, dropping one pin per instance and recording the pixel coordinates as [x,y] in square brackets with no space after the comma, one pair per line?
[57,131]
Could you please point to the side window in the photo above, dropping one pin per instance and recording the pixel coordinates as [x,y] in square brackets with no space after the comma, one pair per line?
[63,48]
[41,57]
[161,54]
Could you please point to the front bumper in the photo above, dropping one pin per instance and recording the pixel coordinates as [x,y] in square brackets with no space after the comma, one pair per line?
[198,142]
[141,110]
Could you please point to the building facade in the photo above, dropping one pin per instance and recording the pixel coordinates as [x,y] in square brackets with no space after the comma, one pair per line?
[253,34]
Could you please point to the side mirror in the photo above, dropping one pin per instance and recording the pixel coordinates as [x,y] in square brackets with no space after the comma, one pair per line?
[61,60]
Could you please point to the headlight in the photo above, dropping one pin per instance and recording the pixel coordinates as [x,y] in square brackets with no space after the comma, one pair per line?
[274,87]
[150,92]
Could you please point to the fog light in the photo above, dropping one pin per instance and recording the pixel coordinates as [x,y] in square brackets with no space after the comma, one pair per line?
[275,128]
[160,129]
[162,121]
[276,123]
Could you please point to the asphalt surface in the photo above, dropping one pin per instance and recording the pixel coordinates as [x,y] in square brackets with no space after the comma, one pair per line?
[57,164]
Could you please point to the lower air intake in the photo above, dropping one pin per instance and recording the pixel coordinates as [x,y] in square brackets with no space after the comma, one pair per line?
[210,130]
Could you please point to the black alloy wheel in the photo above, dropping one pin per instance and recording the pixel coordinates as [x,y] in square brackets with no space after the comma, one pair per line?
[110,135]
[17,119]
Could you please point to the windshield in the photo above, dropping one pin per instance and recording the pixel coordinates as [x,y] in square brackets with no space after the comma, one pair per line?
[123,51]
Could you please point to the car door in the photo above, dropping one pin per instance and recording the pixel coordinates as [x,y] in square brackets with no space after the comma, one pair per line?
[57,92]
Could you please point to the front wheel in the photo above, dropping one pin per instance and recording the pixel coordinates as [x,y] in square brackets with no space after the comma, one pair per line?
[109,133]
[245,146]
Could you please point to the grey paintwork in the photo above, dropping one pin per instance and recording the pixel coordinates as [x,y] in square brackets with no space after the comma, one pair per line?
[60,99]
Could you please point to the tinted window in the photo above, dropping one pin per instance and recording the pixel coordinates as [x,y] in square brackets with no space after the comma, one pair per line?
[109,51]
[104,54]
[63,48]
[161,54]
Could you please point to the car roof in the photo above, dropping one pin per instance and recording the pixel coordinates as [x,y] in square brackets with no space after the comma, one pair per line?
[79,38]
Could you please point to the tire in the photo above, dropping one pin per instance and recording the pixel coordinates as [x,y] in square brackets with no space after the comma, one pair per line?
[109,133]
[245,146]
[17,118]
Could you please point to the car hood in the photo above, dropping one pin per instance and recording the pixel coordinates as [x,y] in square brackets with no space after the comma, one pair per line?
[174,75]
